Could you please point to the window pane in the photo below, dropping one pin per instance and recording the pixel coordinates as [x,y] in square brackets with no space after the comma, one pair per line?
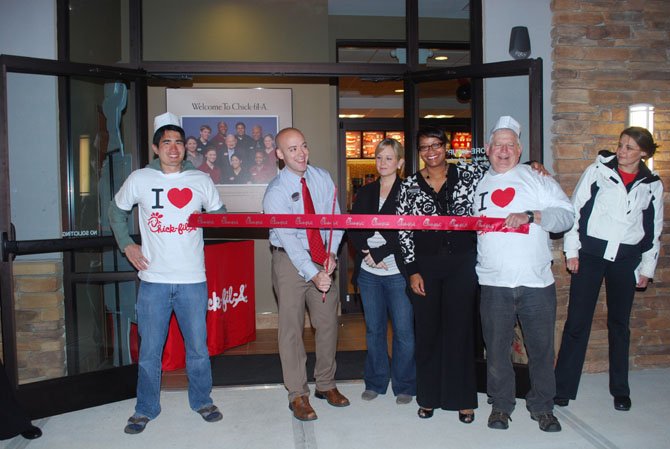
[447,23]
[236,30]
[34,156]
[447,104]
[508,96]
[265,30]
[103,147]
[367,20]
[370,98]
[104,331]
[99,31]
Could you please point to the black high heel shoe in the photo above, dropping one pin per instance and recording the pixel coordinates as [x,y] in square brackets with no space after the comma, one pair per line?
[31,433]
[425,413]
[466,418]
[622,403]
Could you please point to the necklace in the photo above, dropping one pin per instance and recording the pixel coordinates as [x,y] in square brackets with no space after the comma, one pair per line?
[438,181]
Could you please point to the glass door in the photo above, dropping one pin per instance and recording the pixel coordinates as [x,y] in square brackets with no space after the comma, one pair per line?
[71,137]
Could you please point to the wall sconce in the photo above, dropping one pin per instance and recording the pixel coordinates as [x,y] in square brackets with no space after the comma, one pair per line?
[519,43]
[642,115]
[401,55]
[84,165]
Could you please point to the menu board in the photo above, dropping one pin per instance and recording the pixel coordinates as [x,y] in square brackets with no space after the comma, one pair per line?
[397,135]
[370,141]
[353,149]
[461,145]
[362,144]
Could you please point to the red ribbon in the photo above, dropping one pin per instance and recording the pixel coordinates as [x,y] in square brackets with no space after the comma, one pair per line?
[350,221]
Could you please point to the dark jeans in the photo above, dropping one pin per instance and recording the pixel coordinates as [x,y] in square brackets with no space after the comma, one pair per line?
[584,289]
[384,297]
[536,310]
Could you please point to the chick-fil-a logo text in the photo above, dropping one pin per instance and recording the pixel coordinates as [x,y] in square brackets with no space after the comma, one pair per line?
[156,226]
[228,296]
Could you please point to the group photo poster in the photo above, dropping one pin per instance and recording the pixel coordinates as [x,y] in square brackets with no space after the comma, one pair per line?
[230,136]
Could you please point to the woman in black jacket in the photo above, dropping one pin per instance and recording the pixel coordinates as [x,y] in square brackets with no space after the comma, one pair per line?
[379,274]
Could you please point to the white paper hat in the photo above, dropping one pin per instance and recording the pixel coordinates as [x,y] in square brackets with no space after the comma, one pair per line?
[507,122]
[165,119]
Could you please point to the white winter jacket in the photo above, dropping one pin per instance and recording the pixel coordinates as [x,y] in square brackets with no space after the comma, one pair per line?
[614,221]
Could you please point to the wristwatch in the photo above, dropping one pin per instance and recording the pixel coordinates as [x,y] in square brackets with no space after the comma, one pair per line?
[531,216]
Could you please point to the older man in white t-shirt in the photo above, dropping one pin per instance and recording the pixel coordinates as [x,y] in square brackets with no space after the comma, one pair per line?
[514,271]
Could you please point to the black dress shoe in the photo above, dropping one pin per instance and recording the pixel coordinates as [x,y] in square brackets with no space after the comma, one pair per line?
[31,433]
[622,403]
[561,402]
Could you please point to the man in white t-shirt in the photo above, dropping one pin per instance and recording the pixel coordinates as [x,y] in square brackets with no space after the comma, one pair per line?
[171,266]
[514,271]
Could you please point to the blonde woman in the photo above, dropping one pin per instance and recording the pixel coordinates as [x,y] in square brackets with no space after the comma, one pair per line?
[379,274]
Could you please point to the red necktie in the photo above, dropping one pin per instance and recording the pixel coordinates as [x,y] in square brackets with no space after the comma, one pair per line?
[316,247]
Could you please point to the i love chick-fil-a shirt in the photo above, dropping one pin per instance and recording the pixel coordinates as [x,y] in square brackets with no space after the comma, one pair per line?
[174,249]
[515,259]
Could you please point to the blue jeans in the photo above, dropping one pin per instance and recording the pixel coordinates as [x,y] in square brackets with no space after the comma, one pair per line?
[385,296]
[536,309]
[155,304]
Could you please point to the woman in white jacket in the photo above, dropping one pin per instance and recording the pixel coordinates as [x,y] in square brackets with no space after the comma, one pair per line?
[616,236]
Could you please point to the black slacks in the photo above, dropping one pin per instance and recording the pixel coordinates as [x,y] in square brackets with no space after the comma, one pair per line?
[584,289]
[444,328]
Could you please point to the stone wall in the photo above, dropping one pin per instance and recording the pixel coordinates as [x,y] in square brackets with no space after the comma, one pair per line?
[40,320]
[608,54]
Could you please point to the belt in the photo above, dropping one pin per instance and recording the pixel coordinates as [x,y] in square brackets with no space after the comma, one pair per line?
[280,249]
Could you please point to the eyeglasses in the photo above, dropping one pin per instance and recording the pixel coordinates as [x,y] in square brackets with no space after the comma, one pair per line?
[434,146]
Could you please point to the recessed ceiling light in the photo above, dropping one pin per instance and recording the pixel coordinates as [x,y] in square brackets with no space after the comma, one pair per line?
[399,91]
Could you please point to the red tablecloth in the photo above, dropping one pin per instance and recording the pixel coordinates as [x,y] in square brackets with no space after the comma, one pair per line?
[231,311]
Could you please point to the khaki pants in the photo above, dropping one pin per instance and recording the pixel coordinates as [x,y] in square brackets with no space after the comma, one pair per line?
[293,295]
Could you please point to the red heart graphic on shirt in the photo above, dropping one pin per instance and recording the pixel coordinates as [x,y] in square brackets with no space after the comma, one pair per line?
[502,198]
[180,197]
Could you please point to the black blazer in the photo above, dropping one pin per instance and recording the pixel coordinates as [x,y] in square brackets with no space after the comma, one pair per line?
[367,202]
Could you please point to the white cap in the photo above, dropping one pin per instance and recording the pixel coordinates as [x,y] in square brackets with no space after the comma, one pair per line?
[507,122]
[165,119]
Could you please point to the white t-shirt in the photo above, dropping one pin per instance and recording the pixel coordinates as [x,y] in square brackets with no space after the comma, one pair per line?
[515,259]
[175,251]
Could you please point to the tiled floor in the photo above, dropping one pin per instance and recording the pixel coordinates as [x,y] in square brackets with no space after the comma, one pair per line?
[257,418]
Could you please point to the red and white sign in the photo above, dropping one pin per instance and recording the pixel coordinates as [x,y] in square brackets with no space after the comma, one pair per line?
[231,309]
